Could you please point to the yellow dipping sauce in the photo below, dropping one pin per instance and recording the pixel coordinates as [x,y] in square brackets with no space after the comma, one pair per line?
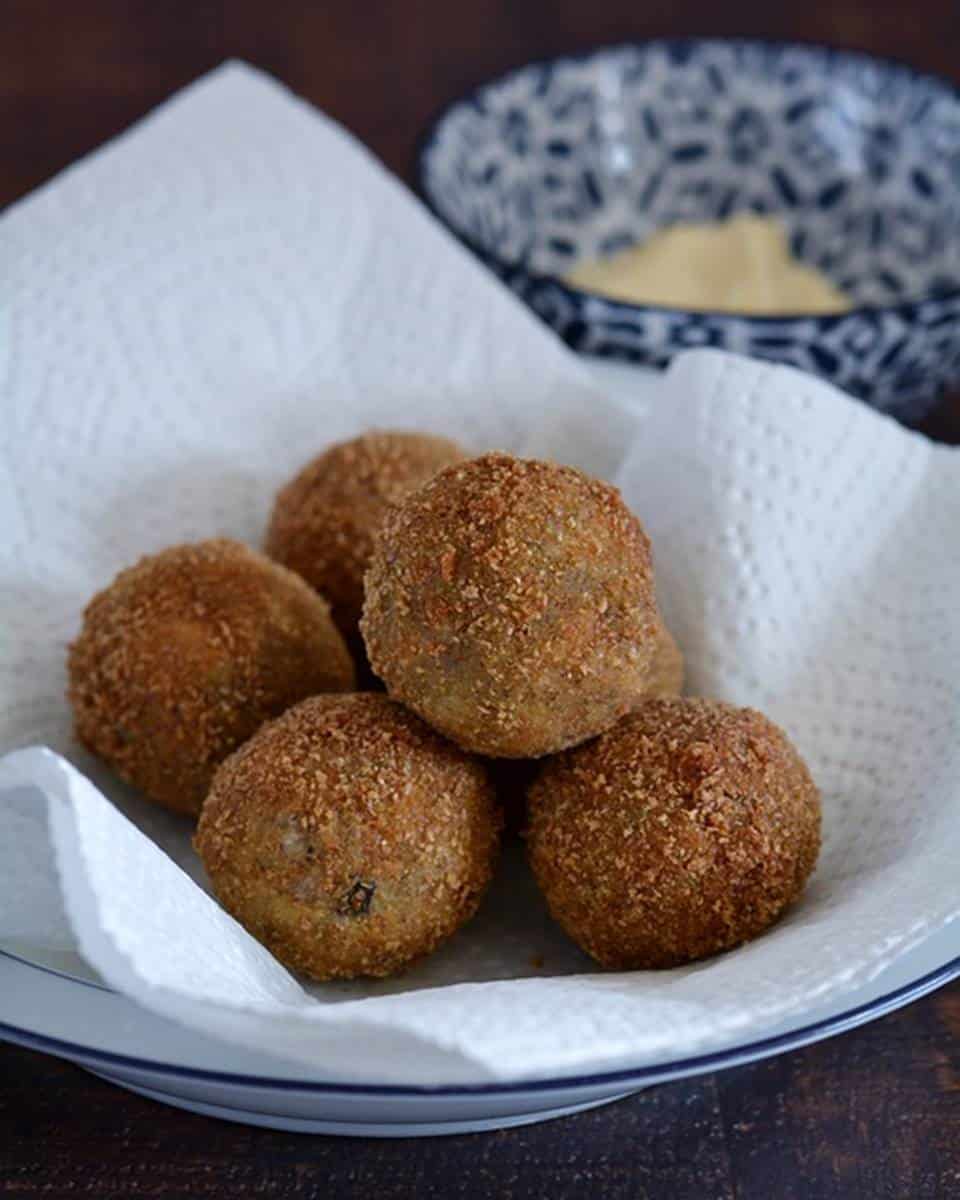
[742,265]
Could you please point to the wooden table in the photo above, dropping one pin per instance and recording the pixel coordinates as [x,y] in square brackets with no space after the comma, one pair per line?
[874,1114]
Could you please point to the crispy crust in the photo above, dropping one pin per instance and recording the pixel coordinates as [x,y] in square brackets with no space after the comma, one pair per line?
[510,603]
[349,837]
[186,654]
[324,520]
[688,828]
[667,669]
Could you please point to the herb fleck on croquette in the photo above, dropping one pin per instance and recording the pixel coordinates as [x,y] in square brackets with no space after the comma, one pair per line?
[349,837]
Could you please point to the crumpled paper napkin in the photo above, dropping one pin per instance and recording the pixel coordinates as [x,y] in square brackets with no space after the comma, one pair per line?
[206,302]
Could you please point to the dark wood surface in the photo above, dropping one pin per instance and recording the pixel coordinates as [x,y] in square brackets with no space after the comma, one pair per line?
[873,1114]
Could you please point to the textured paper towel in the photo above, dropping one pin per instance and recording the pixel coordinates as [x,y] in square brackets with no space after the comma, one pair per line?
[209,300]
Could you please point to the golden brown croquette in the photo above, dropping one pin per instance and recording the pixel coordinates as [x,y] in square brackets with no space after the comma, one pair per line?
[186,654]
[349,837]
[510,603]
[513,777]
[325,518]
[686,829]
[667,668]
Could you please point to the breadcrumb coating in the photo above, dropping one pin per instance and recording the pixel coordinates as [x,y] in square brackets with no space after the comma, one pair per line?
[349,837]
[510,603]
[186,654]
[667,669]
[324,520]
[686,829]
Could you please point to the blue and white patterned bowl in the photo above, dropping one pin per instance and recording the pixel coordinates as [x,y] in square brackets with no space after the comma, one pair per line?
[577,157]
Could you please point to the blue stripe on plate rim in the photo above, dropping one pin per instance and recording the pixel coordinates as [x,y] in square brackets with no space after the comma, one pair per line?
[631,1078]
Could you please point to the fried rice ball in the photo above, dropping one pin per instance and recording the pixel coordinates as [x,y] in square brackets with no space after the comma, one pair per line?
[667,669]
[510,603]
[325,518]
[186,654]
[686,829]
[348,837]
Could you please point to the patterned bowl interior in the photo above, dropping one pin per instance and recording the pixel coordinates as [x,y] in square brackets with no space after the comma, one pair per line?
[579,157]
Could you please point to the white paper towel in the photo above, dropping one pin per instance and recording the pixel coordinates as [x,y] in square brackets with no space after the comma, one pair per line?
[212,298]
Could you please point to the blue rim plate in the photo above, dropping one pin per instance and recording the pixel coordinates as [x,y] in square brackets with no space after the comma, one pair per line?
[802,1034]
